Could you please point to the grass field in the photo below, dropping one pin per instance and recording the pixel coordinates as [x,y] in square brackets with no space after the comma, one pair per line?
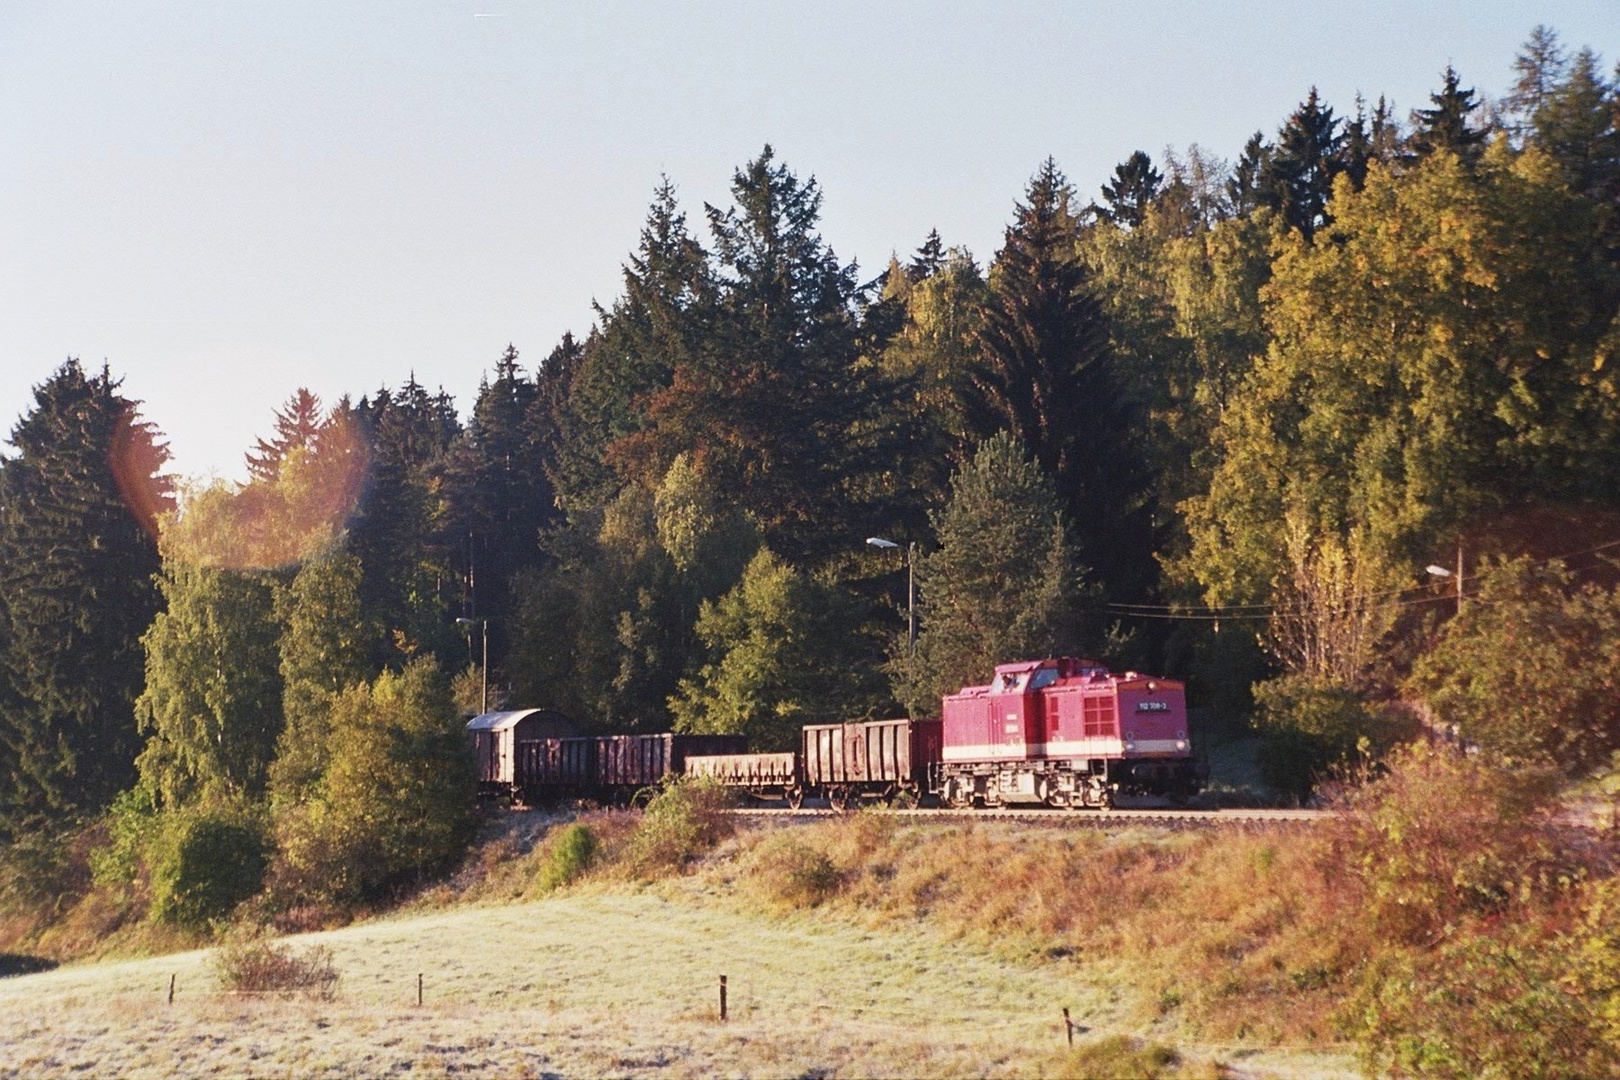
[608,980]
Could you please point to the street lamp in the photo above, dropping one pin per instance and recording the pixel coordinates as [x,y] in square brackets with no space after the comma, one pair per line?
[483,668]
[911,586]
[1440,571]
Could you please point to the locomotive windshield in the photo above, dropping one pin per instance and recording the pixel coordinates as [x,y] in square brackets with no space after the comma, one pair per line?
[1046,676]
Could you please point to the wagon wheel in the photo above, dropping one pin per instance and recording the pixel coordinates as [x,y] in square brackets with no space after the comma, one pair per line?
[842,798]
[905,797]
[642,797]
[794,796]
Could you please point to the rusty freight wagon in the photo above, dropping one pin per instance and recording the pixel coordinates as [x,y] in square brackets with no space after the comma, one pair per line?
[627,763]
[498,737]
[763,777]
[552,769]
[869,760]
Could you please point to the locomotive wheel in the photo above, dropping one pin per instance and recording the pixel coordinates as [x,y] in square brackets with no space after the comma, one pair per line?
[794,797]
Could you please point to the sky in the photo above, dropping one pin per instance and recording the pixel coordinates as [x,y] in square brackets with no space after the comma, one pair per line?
[224,202]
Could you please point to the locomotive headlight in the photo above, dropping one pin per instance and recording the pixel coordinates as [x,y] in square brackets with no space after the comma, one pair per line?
[1181,744]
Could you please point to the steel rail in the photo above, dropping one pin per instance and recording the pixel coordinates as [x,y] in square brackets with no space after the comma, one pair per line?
[1118,818]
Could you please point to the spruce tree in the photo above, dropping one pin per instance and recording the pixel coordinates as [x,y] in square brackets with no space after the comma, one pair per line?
[498,496]
[79,503]
[1003,584]
[654,327]
[1297,181]
[298,425]
[1046,373]
[1135,185]
[928,259]
[1245,189]
[770,401]
[1447,125]
[407,566]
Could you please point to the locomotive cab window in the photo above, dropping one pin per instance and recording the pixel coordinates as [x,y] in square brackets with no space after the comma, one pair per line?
[1012,684]
[1046,676]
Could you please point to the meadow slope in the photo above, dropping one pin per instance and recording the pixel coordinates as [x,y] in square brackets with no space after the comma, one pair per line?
[604,981]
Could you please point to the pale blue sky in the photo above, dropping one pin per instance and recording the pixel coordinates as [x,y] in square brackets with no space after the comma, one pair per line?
[227,201]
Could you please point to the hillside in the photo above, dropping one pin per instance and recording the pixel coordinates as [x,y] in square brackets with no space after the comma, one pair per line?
[606,980]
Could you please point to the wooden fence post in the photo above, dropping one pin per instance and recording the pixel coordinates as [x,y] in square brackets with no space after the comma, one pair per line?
[722,997]
[171,988]
[1068,1026]
[418,990]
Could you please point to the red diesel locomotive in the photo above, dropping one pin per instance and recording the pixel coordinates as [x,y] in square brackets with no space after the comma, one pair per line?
[1064,732]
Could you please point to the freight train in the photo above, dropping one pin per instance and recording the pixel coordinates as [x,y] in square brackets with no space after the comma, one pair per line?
[1061,732]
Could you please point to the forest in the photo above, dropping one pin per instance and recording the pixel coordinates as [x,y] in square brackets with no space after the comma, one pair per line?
[1331,431]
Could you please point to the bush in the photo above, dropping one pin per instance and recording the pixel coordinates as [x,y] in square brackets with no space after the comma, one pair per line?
[204,863]
[257,967]
[133,828]
[794,874]
[1528,669]
[1442,837]
[1311,727]
[681,822]
[573,849]
[1523,1001]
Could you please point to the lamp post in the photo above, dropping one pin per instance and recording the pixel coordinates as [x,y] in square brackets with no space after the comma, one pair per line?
[1440,571]
[483,668]
[911,586]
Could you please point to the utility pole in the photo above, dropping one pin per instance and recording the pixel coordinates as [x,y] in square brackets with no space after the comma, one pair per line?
[483,668]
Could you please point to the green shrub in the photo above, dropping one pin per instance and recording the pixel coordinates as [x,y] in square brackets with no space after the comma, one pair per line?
[205,862]
[1528,669]
[685,819]
[794,874]
[134,826]
[573,849]
[257,967]
[1310,728]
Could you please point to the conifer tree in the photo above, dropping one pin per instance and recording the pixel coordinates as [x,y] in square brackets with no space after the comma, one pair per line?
[407,564]
[1135,185]
[1003,584]
[1045,373]
[298,425]
[655,326]
[769,403]
[1297,181]
[928,259]
[79,504]
[1447,125]
[498,495]
[1245,189]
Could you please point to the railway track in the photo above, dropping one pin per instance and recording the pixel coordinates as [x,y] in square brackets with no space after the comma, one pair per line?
[1123,818]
